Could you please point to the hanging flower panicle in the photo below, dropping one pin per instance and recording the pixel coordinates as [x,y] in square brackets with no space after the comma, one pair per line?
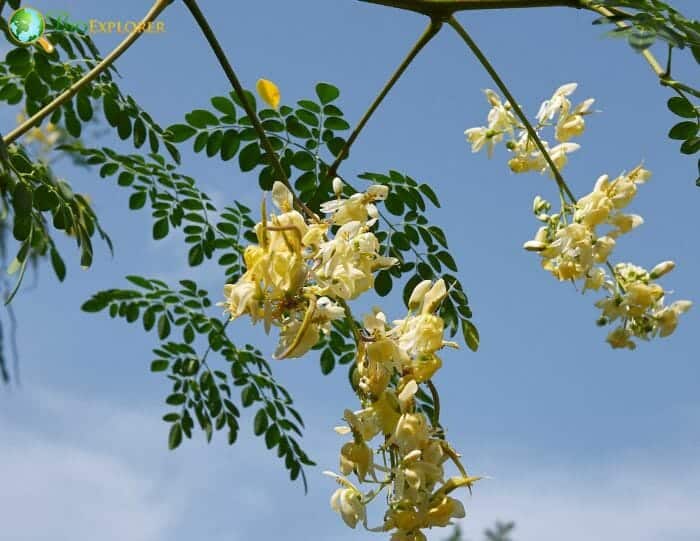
[298,277]
[392,362]
[575,244]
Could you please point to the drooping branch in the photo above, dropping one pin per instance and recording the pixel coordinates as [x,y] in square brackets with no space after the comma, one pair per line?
[72,90]
[240,92]
[432,29]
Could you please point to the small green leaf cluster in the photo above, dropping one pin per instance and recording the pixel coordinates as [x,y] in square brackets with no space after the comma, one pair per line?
[40,77]
[337,348]
[301,137]
[201,393]
[652,20]
[176,202]
[37,200]
[688,129]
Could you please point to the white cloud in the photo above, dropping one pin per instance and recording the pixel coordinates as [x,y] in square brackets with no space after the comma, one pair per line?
[60,483]
[640,498]
[57,492]
[80,469]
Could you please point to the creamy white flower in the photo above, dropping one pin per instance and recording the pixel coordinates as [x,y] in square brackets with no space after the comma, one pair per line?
[358,207]
[241,298]
[571,123]
[667,318]
[551,107]
[346,263]
[595,279]
[416,299]
[480,136]
[624,223]
[559,154]
[348,503]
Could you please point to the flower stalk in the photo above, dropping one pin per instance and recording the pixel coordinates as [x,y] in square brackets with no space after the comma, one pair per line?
[250,111]
[430,32]
[454,23]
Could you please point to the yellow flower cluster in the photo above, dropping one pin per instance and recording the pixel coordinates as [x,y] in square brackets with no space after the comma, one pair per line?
[392,361]
[299,277]
[557,112]
[576,242]
[637,301]
[297,273]
[571,243]
[573,247]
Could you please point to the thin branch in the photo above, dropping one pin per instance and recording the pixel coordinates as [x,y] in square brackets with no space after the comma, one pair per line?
[427,35]
[91,75]
[454,23]
[13,344]
[240,92]
[436,403]
[4,374]
[445,8]
[531,131]
[351,321]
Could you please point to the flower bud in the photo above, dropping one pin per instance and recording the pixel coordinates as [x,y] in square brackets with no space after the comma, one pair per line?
[337,186]
[602,183]
[282,196]
[492,97]
[534,246]
[536,204]
[434,297]
[662,268]
[418,293]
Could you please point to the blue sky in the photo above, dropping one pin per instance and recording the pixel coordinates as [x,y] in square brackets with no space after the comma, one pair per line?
[580,442]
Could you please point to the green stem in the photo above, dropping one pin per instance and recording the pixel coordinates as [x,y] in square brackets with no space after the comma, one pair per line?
[454,23]
[209,348]
[614,275]
[427,35]
[528,126]
[679,87]
[445,8]
[351,320]
[241,93]
[436,403]
[90,76]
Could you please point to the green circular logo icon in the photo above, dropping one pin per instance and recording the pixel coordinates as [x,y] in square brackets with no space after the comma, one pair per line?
[26,25]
